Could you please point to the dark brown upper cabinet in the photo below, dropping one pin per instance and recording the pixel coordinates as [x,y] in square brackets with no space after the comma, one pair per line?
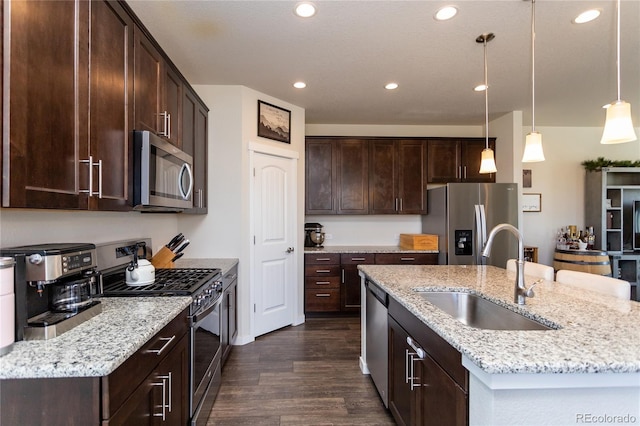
[67,139]
[194,142]
[397,177]
[336,176]
[158,90]
[82,76]
[457,160]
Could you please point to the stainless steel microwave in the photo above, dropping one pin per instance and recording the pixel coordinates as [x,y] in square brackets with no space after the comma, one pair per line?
[163,177]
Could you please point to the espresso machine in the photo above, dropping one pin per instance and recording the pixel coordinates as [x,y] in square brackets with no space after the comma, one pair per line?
[54,288]
[313,235]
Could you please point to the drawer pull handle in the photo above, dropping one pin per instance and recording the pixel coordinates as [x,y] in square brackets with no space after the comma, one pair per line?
[407,259]
[323,282]
[167,340]
[323,295]
[322,271]
[322,259]
[358,259]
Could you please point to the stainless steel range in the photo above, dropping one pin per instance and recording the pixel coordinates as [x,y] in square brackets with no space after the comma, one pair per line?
[204,286]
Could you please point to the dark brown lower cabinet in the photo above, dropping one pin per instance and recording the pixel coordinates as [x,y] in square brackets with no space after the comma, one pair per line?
[332,281]
[150,388]
[427,383]
[350,285]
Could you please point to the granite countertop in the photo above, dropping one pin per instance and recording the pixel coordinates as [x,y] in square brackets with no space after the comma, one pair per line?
[97,346]
[363,249]
[596,334]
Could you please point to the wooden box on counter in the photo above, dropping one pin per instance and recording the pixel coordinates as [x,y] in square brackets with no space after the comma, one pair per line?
[418,242]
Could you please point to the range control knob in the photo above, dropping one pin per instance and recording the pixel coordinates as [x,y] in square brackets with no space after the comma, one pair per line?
[35,259]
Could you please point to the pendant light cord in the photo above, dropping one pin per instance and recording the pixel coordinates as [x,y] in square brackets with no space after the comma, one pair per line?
[533,66]
[486,97]
[618,46]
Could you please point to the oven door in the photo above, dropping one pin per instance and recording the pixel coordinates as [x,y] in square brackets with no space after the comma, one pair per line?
[205,361]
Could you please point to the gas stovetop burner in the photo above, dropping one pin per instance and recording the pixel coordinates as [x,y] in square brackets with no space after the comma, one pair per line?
[173,281]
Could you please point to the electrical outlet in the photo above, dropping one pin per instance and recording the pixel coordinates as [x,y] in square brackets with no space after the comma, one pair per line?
[328,236]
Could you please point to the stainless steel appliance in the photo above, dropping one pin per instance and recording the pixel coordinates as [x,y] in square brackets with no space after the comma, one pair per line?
[54,288]
[205,288]
[163,177]
[462,214]
[376,339]
[313,235]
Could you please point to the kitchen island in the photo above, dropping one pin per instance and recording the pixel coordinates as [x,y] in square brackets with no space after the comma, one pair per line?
[587,366]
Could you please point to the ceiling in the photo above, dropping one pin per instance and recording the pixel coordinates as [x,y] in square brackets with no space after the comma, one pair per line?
[349,50]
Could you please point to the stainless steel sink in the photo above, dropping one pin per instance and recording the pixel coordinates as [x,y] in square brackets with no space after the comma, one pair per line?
[474,311]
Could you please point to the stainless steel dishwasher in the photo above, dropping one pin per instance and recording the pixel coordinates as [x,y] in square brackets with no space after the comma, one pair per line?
[377,344]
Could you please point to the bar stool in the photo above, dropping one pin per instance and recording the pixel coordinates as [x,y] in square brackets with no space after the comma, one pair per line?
[533,269]
[598,283]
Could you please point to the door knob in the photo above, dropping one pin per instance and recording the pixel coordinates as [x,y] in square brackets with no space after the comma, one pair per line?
[290,250]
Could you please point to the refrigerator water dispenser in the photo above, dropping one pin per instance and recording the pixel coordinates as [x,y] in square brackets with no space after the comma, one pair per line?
[464,241]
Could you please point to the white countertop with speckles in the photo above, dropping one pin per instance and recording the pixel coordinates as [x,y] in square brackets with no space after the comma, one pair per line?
[597,334]
[97,346]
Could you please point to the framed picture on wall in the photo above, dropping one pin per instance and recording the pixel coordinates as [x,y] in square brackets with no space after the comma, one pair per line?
[274,122]
[531,202]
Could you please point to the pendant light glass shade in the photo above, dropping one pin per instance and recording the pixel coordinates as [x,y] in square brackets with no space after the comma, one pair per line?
[618,128]
[487,159]
[533,142]
[533,148]
[487,163]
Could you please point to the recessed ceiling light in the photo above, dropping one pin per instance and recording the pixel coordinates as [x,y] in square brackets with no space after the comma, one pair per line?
[391,86]
[299,84]
[305,10]
[480,88]
[446,12]
[587,16]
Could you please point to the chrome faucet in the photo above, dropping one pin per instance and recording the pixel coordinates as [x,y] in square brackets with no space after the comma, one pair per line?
[520,292]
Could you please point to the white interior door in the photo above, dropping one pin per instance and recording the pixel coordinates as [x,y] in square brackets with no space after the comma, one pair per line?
[274,222]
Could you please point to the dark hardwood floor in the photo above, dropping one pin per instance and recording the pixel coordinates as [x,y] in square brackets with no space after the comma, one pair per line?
[304,375]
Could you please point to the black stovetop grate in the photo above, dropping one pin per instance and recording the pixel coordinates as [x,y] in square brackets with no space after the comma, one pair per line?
[172,281]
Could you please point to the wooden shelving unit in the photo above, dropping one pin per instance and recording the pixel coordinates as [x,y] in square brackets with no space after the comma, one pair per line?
[609,199]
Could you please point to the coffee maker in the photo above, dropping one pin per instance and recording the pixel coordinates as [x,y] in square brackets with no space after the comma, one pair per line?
[313,235]
[54,288]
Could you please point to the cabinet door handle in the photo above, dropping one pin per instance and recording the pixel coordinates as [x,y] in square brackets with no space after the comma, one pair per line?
[167,340]
[164,398]
[170,385]
[401,206]
[90,163]
[166,124]
[465,171]
[99,193]
[342,276]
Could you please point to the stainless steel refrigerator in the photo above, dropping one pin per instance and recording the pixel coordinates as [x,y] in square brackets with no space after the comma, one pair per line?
[463,214]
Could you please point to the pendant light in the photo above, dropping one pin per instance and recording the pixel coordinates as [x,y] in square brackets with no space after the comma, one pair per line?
[618,127]
[533,141]
[488,162]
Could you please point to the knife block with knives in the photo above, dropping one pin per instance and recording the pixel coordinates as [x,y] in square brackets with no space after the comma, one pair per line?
[171,252]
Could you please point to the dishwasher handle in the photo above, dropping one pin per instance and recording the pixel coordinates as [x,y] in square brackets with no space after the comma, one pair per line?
[378,293]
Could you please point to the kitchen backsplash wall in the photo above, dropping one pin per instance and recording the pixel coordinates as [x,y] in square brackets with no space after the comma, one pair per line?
[384,230]
[20,227]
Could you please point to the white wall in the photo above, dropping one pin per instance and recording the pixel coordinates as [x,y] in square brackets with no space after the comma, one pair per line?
[22,226]
[225,230]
